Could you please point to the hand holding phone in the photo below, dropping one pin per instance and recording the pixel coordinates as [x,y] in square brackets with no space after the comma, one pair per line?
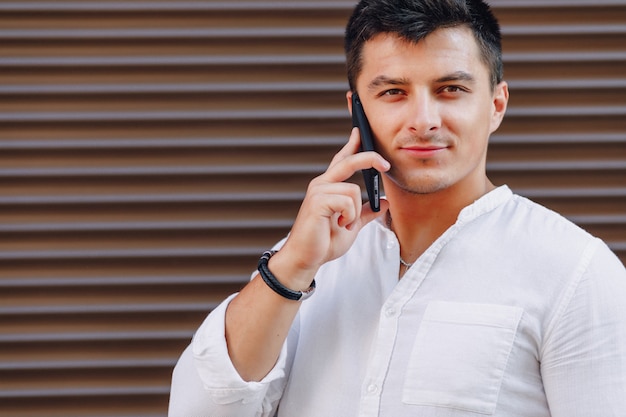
[371,176]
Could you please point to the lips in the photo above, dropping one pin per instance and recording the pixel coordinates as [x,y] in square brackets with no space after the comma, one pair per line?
[424,150]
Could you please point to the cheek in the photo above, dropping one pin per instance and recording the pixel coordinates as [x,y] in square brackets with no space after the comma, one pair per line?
[383,129]
[470,123]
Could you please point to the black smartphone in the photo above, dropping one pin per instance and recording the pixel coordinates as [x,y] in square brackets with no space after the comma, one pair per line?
[371,176]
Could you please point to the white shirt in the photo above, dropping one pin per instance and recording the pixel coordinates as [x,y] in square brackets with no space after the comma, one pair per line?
[513,311]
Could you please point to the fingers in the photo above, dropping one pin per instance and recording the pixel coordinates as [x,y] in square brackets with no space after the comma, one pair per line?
[350,148]
[367,214]
[332,212]
[341,201]
[349,160]
[343,166]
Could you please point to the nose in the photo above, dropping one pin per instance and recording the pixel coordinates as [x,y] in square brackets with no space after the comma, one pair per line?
[424,119]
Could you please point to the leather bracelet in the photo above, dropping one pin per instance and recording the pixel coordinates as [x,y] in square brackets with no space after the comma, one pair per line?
[275,285]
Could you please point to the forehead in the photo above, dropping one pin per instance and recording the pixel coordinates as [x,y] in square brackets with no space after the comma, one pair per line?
[445,51]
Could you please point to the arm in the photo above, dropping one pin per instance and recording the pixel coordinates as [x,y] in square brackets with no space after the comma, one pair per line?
[584,360]
[331,215]
[205,383]
[240,374]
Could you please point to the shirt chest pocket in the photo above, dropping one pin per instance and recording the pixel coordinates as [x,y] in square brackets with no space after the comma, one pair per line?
[460,355]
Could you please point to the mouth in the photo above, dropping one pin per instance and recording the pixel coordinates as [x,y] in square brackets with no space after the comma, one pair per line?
[424,151]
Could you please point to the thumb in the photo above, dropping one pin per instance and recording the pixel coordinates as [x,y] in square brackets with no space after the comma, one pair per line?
[367,214]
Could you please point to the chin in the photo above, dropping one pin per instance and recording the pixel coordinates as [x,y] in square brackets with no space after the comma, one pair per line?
[425,189]
[422,184]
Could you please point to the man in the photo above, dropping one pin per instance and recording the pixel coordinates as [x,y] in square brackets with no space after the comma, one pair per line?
[457,299]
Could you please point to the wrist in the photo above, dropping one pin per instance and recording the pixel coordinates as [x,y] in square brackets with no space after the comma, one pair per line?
[301,285]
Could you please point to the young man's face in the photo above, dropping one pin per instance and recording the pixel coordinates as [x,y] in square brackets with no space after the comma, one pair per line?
[431,108]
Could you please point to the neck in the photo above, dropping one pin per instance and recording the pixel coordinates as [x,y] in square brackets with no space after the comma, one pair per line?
[419,219]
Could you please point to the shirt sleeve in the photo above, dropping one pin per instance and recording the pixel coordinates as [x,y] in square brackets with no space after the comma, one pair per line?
[584,358]
[206,384]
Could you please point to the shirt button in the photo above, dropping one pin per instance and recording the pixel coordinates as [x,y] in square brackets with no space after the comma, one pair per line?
[390,312]
[372,389]
[391,244]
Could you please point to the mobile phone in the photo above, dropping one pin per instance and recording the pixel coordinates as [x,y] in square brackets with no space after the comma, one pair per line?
[371,176]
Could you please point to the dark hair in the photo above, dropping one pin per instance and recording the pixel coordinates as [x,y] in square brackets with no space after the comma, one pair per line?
[413,20]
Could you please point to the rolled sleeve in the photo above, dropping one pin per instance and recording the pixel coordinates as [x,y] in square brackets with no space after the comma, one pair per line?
[206,383]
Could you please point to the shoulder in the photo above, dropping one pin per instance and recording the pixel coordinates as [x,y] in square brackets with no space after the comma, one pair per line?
[535,220]
[557,237]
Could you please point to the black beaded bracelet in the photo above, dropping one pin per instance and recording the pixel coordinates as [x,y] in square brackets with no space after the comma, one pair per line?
[275,285]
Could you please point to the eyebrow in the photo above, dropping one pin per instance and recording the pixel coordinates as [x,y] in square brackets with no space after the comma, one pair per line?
[385,80]
[457,76]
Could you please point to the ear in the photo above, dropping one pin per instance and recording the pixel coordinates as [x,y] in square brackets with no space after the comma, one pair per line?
[349,98]
[500,101]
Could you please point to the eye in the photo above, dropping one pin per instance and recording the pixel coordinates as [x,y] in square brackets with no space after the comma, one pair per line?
[391,92]
[452,89]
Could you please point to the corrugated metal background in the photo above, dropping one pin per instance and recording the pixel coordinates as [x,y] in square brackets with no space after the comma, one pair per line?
[151,150]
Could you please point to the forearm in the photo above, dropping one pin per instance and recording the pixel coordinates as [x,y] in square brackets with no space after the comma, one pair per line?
[205,383]
[330,217]
[258,321]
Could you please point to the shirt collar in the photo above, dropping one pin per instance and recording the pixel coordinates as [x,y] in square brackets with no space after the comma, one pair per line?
[484,204]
